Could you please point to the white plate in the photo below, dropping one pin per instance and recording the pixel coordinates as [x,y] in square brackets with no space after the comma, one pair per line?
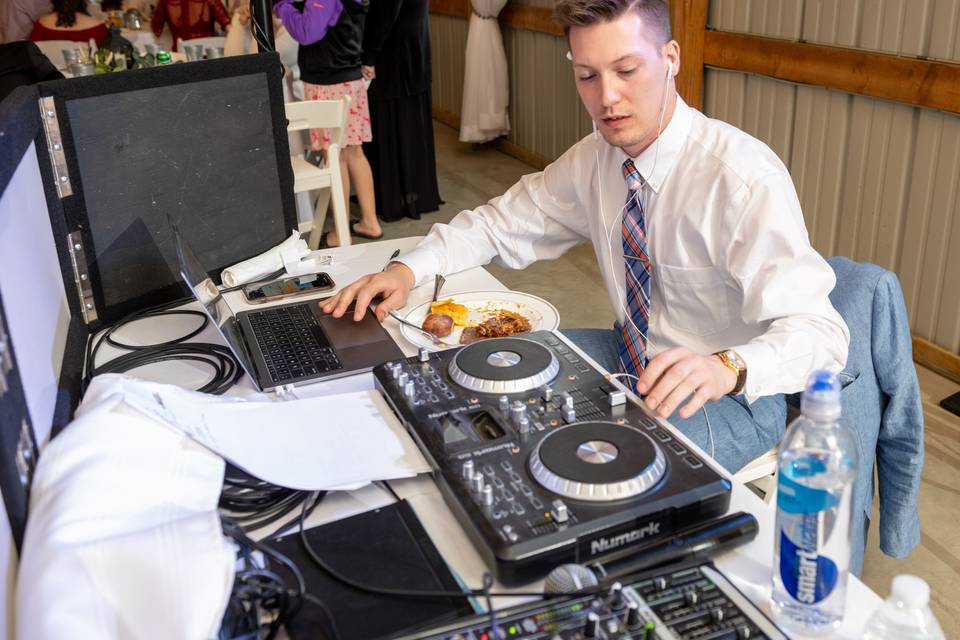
[541,314]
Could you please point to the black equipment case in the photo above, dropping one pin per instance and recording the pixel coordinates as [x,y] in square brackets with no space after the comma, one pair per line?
[92,172]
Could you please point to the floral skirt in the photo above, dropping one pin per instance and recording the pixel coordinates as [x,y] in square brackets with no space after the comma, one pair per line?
[358,120]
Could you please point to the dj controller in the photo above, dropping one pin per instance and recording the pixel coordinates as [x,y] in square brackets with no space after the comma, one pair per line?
[543,460]
[690,601]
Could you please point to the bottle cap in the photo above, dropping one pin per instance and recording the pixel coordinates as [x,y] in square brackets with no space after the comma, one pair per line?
[911,590]
[163,56]
[821,398]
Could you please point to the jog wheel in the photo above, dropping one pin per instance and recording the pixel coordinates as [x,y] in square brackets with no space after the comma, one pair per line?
[504,365]
[597,462]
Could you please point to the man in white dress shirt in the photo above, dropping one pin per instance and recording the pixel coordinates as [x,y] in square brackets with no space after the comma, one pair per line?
[736,310]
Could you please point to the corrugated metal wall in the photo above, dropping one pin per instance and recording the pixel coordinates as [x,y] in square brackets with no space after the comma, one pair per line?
[878,181]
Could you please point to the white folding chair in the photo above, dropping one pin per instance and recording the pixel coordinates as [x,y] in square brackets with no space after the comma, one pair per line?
[53,49]
[762,474]
[322,114]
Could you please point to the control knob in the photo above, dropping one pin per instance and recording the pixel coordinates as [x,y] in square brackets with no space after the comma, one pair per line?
[591,626]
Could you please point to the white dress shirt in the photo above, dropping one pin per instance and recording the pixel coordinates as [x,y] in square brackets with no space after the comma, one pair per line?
[732,263]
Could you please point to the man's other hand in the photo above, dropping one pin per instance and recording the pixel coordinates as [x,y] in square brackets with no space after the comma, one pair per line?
[393,284]
[677,374]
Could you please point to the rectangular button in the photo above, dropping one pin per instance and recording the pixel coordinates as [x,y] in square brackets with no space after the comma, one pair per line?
[693,462]
[572,359]
[677,448]
[662,436]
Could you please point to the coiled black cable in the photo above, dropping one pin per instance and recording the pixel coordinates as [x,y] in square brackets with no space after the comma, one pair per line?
[225,366]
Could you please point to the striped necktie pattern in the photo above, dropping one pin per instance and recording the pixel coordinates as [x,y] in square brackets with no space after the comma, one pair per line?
[633,346]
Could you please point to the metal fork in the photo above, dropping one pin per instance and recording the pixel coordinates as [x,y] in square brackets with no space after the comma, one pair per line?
[437,284]
[396,316]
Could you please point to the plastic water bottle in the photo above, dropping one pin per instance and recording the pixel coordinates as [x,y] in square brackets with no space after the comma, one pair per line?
[817,467]
[905,615]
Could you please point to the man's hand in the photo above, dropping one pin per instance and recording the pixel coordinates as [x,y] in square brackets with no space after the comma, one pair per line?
[243,15]
[677,374]
[368,71]
[393,284]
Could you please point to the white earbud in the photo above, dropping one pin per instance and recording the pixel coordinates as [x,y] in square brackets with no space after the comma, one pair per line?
[596,134]
[669,68]
[569,56]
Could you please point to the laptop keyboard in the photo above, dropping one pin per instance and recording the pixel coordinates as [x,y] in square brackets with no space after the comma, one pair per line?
[292,343]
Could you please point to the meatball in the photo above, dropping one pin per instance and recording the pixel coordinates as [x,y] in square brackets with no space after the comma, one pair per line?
[439,324]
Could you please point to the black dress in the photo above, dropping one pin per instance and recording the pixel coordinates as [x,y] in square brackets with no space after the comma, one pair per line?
[396,41]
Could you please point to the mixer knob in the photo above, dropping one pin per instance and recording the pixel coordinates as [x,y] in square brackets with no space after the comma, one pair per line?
[476,483]
[691,598]
[486,495]
[632,617]
[717,615]
[395,369]
[591,626]
[423,355]
[504,403]
[744,632]
[524,425]
[468,470]
[569,414]
[616,595]
[548,393]
[567,400]
[402,379]
[518,411]
[659,583]
[617,397]
[409,389]
[559,511]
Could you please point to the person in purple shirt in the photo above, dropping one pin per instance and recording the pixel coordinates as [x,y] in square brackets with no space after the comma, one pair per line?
[330,33]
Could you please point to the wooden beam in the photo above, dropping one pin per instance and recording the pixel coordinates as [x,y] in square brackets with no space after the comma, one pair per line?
[689,20]
[539,19]
[451,8]
[936,358]
[918,82]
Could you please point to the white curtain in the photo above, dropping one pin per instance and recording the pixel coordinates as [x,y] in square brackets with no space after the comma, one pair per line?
[485,84]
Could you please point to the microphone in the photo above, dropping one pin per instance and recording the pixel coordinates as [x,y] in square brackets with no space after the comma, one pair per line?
[698,542]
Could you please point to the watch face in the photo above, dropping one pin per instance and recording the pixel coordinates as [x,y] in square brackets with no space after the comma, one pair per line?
[735,359]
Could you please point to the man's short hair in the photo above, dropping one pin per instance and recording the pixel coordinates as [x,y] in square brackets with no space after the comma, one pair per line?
[583,13]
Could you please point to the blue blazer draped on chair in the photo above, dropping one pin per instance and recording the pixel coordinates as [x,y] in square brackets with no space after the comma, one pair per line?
[881,405]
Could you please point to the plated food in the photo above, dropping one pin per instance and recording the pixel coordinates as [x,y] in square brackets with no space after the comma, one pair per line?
[475,315]
[498,323]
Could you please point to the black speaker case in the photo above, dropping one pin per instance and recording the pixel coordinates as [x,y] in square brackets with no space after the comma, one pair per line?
[37,115]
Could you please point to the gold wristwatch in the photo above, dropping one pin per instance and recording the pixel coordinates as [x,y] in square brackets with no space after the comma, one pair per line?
[732,360]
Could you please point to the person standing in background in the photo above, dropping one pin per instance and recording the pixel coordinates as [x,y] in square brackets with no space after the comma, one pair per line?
[396,51]
[330,33]
[69,21]
[189,19]
[17,18]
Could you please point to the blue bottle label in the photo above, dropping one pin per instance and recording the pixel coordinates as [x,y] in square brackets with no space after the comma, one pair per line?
[805,524]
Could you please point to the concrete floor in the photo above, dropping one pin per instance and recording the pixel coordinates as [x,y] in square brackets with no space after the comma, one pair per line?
[470,175]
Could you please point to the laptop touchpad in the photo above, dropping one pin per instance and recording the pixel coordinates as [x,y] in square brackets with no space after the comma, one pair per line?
[343,332]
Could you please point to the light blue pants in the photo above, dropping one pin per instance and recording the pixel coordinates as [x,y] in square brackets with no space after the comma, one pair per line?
[729,430]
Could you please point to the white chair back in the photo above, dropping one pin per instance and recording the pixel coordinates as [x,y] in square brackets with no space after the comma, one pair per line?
[332,116]
[319,114]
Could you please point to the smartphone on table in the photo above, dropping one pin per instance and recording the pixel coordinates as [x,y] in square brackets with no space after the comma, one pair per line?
[288,287]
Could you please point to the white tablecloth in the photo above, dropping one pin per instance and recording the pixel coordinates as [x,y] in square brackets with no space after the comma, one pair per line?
[748,566]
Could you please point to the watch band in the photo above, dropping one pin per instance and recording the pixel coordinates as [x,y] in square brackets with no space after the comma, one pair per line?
[732,360]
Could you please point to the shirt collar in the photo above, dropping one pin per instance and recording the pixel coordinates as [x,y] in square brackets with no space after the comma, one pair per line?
[670,143]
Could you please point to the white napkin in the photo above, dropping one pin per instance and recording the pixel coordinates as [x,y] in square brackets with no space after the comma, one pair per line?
[124,539]
[287,252]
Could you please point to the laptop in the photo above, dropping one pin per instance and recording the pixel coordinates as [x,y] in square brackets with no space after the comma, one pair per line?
[292,343]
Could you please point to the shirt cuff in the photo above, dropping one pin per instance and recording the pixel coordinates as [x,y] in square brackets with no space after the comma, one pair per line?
[424,263]
[761,370]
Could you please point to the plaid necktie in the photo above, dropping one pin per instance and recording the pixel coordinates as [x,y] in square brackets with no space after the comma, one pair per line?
[633,347]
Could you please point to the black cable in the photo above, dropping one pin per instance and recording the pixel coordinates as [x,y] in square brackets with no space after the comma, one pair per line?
[408,593]
[225,366]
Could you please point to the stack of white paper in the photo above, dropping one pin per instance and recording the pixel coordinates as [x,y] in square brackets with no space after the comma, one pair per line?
[332,442]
